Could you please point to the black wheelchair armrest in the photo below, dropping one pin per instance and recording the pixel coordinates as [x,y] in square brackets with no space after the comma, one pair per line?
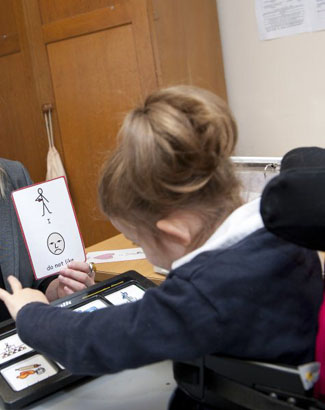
[221,381]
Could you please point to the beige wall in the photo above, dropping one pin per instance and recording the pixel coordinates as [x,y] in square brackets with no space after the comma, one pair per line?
[276,88]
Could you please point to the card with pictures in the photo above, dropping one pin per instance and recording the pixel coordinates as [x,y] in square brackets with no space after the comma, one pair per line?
[91,306]
[27,372]
[27,375]
[49,226]
[12,347]
[128,294]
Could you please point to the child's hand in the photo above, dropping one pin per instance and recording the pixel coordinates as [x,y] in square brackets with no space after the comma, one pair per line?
[19,297]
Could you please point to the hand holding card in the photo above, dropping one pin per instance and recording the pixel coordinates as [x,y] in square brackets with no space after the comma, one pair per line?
[75,277]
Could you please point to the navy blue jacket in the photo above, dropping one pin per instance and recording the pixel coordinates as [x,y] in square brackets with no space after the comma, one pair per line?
[257,299]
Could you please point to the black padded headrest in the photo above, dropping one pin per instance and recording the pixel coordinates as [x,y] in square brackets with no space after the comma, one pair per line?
[303,157]
[293,203]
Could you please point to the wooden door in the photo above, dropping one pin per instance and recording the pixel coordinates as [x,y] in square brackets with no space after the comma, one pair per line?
[100,63]
[187,44]
[22,131]
[93,60]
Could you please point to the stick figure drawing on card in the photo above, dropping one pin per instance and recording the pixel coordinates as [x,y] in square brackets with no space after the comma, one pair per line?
[41,198]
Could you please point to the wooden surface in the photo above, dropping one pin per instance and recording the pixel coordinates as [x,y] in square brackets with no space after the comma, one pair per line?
[109,270]
[54,10]
[93,61]
[101,66]
[187,43]
[22,131]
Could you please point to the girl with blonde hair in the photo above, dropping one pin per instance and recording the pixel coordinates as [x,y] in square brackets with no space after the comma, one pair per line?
[233,288]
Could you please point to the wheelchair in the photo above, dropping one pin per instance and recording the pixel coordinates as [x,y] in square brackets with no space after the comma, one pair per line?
[292,207]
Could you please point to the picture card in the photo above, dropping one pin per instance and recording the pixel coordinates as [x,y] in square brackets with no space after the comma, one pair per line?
[128,294]
[27,372]
[117,255]
[12,347]
[49,226]
[91,306]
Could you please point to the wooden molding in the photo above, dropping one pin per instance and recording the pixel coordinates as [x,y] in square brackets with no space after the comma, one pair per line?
[86,23]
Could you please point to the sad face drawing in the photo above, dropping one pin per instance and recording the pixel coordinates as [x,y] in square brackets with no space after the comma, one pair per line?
[55,243]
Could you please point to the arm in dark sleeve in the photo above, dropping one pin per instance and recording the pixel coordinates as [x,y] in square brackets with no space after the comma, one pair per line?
[168,323]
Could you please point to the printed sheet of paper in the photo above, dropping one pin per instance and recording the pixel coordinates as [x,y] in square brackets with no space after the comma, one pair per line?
[318,15]
[280,18]
[116,255]
[49,226]
[28,372]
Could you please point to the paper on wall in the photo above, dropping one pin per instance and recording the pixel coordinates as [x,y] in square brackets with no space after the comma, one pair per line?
[280,18]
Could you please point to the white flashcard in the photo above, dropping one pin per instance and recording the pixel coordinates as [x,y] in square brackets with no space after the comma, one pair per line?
[12,347]
[91,306]
[117,255]
[49,225]
[23,374]
[128,294]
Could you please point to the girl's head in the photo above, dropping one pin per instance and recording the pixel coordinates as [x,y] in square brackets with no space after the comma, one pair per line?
[173,158]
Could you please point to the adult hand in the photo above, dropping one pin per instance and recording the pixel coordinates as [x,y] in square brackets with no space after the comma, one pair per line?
[20,296]
[77,276]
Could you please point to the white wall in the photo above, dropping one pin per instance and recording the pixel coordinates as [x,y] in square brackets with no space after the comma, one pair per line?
[276,88]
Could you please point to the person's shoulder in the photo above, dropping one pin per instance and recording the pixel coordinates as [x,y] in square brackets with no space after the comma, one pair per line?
[261,252]
[10,166]
[15,172]
[263,243]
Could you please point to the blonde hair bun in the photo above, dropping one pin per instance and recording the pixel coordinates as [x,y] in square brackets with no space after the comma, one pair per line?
[173,153]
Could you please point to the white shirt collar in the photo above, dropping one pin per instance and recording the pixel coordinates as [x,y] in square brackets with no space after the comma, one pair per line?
[240,223]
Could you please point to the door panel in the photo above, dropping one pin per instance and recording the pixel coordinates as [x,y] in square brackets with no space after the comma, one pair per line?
[22,131]
[96,80]
[52,10]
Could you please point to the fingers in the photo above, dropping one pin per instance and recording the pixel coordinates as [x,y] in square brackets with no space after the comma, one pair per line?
[20,297]
[75,277]
[14,283]
[78,276]
[4,295]
[74,274]
[68,291]
[79,266]
[73,284]
[83,267]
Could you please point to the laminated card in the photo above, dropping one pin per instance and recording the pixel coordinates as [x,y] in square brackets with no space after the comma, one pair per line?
[49,226]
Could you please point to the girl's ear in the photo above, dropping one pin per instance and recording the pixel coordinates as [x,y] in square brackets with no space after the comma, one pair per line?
[176,228]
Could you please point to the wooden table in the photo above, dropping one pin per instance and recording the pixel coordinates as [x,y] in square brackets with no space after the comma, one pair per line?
[110,269]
